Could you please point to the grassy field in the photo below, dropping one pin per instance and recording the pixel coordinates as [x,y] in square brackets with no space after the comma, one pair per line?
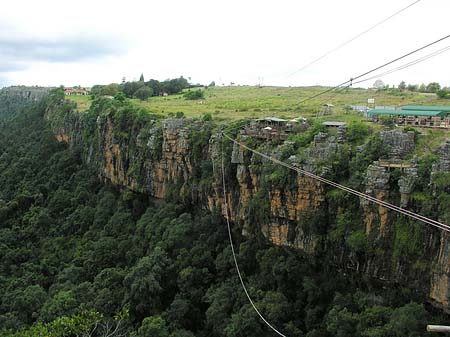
[231,103]
[83,102]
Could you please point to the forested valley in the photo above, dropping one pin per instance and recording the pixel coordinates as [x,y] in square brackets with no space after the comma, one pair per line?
[81,257]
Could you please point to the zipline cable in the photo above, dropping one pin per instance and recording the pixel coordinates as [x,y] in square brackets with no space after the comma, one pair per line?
[351,80]
[233,252]
[395,208]
[352,39]
[407,65]
[404,66]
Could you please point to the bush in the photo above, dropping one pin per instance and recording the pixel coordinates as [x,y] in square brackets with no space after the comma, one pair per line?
[357,241]
[143,93]
[443,93]
[357,132]
[194,95]
[207,117]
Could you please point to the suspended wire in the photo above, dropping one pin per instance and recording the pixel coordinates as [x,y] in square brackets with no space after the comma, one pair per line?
[404,66]
[395,208]
[351,80]
[407,65]
[234,254]
[339,91]
[352,39]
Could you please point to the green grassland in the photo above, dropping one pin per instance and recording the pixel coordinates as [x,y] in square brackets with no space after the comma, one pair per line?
[231,103]
[83,102]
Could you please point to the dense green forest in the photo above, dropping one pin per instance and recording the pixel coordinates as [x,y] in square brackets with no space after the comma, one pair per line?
[141,89]
[79,257]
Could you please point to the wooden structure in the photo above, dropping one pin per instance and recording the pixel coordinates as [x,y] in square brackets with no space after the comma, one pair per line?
[268,134]
[334,124]
[326,109]
[268,128]
[272,122]
[393,164]
[417,116]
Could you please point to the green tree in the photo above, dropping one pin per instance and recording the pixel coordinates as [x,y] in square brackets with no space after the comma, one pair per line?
[154,326]
[413,87]
[130,88]
[143,93]
[408,320]
[63,303]
[194,95]
[120,96]
[433,87]
[340,322]
[443,93]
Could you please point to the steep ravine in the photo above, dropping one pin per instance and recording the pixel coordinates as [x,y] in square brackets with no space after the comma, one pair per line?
[181,158]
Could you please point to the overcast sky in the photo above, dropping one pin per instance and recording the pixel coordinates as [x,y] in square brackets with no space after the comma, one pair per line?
[97,42]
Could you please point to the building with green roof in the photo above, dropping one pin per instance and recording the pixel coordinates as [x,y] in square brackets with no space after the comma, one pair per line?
[426,108]
[416,115]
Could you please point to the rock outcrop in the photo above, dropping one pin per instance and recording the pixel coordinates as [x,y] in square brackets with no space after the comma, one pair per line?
[377,185]
[401,143]
[32,94]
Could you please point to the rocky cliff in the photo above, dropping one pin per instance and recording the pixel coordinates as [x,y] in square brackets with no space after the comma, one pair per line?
[181,158]
[13,99]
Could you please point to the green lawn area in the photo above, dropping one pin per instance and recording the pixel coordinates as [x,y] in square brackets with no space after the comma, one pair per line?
[83,102]
[231,103]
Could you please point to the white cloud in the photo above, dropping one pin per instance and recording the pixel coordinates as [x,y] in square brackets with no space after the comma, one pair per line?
[89,42]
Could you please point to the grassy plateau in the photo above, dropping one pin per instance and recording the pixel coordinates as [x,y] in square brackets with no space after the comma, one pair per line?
[237,102]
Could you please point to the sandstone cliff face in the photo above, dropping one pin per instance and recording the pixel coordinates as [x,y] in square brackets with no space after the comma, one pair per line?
[440,285]
[33,94]
[377,185]
[136,163]
[158,157]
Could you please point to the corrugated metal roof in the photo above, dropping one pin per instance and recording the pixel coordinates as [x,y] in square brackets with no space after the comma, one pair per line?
[423,113]
[332,123]
[272,119]
[426,108]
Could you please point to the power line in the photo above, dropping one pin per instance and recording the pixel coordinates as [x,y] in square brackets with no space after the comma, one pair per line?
[234,254]
[407,65]
[404,66]
[353,39]
[375,69]
[395,208]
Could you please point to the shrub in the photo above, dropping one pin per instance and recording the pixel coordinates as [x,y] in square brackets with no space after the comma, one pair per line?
[357,241]
[194,95]
[357,132]
[207,117]
[143,93]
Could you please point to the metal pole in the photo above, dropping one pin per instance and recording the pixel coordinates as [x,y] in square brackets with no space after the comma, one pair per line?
[438,328]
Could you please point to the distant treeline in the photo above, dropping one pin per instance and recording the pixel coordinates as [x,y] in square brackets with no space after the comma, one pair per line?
[432,87]
[143,89]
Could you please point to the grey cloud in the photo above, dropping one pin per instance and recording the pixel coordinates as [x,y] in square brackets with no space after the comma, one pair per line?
[19,52]
[67,49]
[8,65]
